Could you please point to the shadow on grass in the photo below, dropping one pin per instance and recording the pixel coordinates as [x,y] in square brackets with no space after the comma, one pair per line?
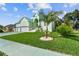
[73,37]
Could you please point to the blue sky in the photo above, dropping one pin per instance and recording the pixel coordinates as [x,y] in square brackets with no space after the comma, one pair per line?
[10,13]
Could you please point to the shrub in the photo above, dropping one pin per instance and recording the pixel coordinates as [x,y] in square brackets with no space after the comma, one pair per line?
[2,54]
[64,29]
[1,31]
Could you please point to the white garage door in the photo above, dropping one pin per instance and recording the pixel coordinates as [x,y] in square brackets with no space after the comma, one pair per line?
[24,29]
[17,29]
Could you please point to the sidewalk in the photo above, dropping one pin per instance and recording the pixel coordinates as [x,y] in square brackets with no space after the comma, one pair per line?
[8,33]
[16,49]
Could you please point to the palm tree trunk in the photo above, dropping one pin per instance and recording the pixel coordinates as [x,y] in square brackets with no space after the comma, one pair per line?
[46,33]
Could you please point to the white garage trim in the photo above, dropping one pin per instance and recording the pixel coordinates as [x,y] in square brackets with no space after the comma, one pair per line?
[22,29]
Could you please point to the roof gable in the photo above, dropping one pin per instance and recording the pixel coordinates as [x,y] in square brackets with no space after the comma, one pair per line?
[23,19]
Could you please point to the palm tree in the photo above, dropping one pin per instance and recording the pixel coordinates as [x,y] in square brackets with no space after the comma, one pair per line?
[50,17]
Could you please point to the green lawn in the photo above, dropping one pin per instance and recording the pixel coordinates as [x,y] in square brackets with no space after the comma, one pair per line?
[68,45]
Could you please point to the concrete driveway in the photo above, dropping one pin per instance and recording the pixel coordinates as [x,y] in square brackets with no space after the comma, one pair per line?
[8,33]
[17,49]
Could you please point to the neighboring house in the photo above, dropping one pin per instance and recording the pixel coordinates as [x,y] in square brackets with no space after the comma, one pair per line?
[9,28]
[22,25]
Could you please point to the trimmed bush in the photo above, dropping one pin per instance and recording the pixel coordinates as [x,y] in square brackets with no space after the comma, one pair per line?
[1,31]
[2,54]
[64,29]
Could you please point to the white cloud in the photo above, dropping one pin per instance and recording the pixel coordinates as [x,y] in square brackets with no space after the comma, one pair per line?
[43,6]
[2,4]
[17,16]
[15,9]
[34,11]
[65,5]
[8,14]
[30,6]
[3,8]
[37,6]
[70,5]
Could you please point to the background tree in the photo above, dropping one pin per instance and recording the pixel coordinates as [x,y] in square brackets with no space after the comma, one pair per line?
[72,18]
[1,28]
[58,22]
[76,18]
[68,19]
